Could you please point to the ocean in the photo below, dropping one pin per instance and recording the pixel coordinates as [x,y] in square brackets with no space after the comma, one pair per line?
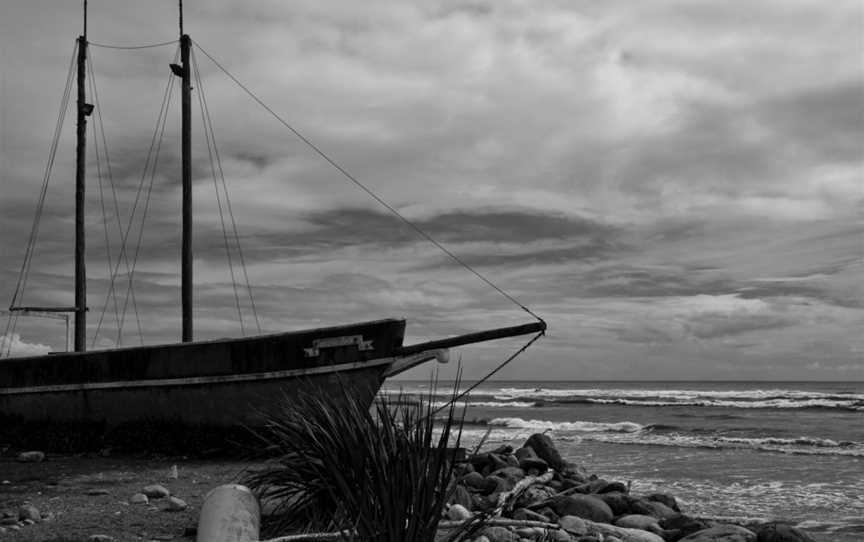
[791,451]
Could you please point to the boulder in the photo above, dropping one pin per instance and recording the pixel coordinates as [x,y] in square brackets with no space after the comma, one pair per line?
[572,471]
[534,496]
[155,491]
[637,521]
[555,484]
[573,525]
[665,499]
[548,513]
[531,533]
[595,485]
[479,461]
[545,450]
[613,487]
[504,449]
[623,533]
[499,534]
[660,510]
[583,506]
[721,533]
[523,514]
[534,466]
[620,503]
[474,480]
[650,508]
[525,452]
[458,512]
[497,462]
[684,525]
[139,498]
[781,532]
[512,474]
[499,484]
[569,483]
[557,535]
[528,460]
[462,496]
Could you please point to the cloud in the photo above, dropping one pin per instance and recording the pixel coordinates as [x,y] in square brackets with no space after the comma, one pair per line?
[18,348]
[695,207]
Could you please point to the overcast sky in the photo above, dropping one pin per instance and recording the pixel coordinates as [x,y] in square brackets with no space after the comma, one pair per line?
[677,187]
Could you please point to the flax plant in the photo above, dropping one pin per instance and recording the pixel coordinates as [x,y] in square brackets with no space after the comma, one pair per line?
[382,474]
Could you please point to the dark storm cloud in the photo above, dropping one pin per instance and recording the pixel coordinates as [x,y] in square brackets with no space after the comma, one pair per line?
[825,121]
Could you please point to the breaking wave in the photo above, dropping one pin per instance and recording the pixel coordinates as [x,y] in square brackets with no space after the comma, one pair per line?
[749,399]
[582,427]
[630,433]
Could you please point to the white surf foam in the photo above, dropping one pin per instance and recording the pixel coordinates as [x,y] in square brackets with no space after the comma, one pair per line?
[578,426]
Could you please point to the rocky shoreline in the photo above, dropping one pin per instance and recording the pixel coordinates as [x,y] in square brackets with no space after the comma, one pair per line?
[525,494]
[533,494]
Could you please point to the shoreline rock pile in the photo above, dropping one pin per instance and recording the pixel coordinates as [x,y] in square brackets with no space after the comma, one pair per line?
[533,494]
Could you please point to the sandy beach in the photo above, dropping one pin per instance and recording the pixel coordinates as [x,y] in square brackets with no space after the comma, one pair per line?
[87,495]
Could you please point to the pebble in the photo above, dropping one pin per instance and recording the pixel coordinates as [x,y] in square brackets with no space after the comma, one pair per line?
[31,457]
[573,525]
[139,498]
[176,505]
[98,492]
[28,511]
[499,534]
[458,512]
[155,491]
[724,533]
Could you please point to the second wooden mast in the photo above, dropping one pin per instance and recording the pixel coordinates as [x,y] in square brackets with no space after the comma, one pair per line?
[83,109]
[183,71]
[186,135]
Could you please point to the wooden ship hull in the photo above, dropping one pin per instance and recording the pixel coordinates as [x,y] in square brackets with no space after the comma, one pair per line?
[216,386]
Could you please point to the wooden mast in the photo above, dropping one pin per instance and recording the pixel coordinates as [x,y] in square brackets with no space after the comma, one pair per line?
[84,110]
[186,135]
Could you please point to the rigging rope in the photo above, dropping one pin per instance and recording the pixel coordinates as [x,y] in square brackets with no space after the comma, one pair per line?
[21,283]
[111,292]
[123,253]
[366,189]
[205,122]
[129,47]
[209,127]
[160,122]
[495,370]
[149,193]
